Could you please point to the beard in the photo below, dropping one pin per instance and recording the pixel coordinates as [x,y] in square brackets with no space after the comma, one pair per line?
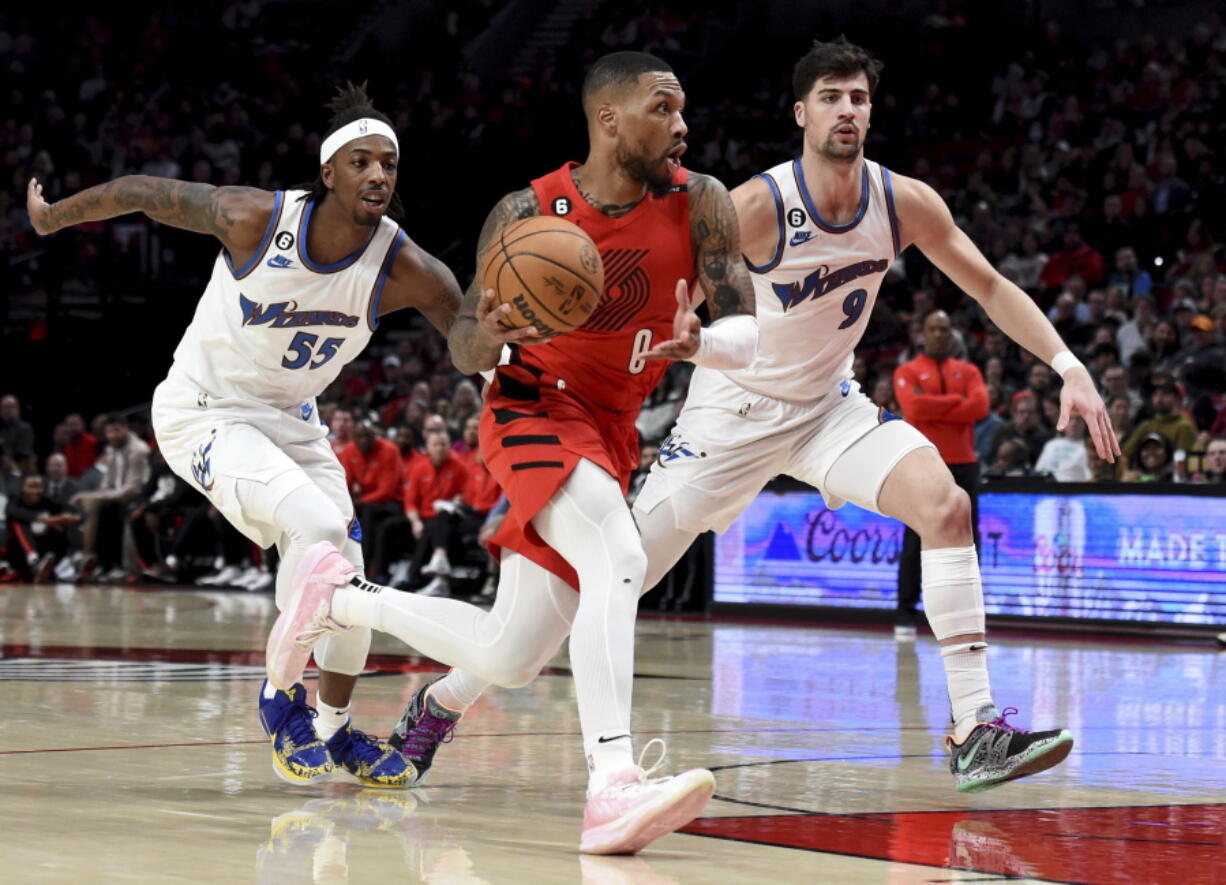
[833,150]
[654,174]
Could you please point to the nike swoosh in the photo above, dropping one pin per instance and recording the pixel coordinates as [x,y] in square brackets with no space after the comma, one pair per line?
[614,738]
[965,760]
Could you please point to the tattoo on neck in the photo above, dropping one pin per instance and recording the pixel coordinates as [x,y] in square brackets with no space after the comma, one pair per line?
[613,210]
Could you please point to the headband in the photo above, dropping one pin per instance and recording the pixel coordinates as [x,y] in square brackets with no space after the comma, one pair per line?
[351,131]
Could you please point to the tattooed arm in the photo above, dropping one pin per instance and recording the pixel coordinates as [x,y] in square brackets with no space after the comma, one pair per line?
[235,215]
[716,240]
[476,336]
[420,280]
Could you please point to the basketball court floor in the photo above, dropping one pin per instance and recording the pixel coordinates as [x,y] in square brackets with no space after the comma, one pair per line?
[130,752]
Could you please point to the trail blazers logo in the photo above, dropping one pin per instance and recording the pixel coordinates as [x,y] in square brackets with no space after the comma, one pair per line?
[626,290]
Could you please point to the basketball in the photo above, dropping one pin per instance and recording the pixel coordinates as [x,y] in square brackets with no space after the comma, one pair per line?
[548,270]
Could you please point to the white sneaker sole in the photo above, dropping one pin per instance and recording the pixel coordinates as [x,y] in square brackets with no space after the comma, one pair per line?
[688,795]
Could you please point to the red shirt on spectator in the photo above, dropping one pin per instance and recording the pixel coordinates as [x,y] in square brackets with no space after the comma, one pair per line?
[427,484]
[410,460]
[951,397]
[482,491]
[1082,260]
[375,476]
[80,453]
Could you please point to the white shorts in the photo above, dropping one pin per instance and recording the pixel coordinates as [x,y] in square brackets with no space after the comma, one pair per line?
[729,443]
[213,443]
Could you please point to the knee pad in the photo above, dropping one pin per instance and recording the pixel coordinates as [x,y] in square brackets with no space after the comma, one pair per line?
[344,652]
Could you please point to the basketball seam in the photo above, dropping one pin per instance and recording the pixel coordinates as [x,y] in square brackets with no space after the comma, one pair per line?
[562,320]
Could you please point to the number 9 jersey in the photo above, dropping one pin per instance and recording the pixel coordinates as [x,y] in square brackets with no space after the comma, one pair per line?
[815,295]
[278,329]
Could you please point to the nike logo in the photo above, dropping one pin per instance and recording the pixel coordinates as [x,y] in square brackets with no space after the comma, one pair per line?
[616,737]
[801,236]
[965,760]
[279,261]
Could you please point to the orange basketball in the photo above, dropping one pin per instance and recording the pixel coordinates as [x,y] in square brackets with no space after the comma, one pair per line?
[548,270]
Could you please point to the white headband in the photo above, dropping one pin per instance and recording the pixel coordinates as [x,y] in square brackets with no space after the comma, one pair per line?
[350,131]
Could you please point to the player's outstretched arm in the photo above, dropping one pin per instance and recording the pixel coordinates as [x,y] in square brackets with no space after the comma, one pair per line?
[476,336]
[925,220]
[420,280]
[235,215]
[731,341]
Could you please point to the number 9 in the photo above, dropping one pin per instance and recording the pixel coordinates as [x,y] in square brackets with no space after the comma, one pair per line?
[853,306]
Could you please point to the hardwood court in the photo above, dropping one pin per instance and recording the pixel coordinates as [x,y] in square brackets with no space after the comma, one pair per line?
[130,752]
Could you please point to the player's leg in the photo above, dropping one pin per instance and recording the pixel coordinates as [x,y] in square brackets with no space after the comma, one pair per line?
[588,523]
[893,470]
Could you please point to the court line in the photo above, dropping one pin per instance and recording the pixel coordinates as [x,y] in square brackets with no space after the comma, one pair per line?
[1130,838]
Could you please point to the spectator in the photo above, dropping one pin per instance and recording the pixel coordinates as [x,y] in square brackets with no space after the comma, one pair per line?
[1213,465]
[1132,279]
[986,429]
[1064,456]
[37,530]
[1115,384]
[465,403]
[466,446]
[1163,345]
[374,472]
[432,495]
[340,426]
[1075,258]
[1170,424]
[1011,458]
[81,446]
[125,464]
[151,524]
[1202,362]
[1120,411]
[1025,267]
[1133,335]
[16,438]
[408,443]
[1063,316]
[1112,232]
[60,486]
[942,397]
[1152,460]
[1024,425]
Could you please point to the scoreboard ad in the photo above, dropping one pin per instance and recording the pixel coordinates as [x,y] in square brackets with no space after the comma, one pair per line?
[1133,557]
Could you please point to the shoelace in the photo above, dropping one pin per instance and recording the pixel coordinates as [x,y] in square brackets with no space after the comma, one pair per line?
[364,746]
[428,732]
[999,721]
[296,720]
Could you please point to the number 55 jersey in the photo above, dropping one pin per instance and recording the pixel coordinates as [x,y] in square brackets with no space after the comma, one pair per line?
[279,328]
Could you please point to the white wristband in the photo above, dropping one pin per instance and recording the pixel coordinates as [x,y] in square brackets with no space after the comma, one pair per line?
[728,343]
[1063,361]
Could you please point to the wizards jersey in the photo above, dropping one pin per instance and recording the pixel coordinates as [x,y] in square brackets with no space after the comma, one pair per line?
[645,252]
[280,328]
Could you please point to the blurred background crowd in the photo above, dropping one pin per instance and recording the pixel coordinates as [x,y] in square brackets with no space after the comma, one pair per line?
[1083,155]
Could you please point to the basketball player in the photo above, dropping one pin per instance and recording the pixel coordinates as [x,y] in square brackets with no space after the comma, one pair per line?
[818,233]
[301,281]
[557,430]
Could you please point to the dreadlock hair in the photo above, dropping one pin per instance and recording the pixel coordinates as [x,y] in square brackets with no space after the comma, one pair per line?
[838,58]
[350,103]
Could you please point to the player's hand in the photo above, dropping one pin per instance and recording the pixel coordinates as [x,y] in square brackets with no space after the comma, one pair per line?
[686,331]
[38,209]
[418,528]
[491,331]
[1078,396]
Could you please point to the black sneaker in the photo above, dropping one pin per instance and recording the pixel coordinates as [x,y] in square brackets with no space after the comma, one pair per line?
[996,752]
[424,725]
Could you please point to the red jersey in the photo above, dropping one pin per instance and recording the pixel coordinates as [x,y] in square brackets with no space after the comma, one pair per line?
[943,401]
[644,252]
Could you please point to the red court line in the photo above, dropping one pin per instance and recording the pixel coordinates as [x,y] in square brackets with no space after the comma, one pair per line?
[1149,843]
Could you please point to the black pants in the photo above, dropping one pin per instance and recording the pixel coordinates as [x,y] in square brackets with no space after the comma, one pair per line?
[372,517]
[967,478]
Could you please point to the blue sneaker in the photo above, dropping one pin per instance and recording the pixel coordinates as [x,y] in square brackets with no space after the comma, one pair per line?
[424,725]
[298,755]
[373,762]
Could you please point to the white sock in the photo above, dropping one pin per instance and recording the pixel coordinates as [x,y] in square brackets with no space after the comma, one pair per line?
[607,754]
[270,690]
[458,690]
[330,719]
[966,675]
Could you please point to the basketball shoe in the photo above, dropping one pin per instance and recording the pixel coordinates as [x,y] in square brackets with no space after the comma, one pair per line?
[633,810]
[304,620]
[298,755]
[373,762]
[424,725]
[996,752]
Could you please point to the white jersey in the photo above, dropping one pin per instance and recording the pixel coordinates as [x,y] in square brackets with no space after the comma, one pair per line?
[279,329]
[814,297]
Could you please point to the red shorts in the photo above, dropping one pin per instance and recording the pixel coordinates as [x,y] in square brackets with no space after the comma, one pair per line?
[532,436]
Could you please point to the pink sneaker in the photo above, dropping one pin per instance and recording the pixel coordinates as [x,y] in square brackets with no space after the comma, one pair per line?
[631,812]
[305,619]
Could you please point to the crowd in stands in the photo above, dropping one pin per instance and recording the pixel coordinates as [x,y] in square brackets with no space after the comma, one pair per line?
[1089,172]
